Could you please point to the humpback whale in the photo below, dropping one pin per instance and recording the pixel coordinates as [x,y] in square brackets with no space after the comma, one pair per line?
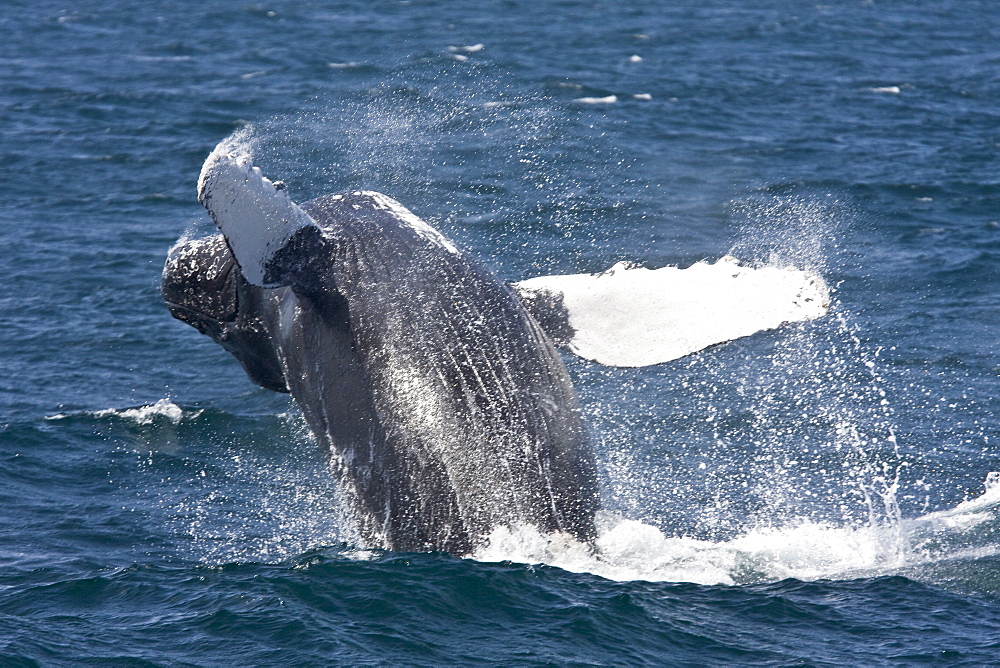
[436,388]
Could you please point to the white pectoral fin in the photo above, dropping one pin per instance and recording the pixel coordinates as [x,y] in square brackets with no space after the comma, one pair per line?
[256,215]
[634,317]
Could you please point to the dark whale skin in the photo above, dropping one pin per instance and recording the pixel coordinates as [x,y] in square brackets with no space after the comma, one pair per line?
[446,410]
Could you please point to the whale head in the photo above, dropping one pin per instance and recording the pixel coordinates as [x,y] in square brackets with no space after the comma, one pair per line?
[200,284]
[203,286]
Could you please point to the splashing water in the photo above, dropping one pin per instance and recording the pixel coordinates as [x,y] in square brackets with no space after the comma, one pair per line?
[784,452]
[825,375]
[767,458]
[807,550]
[242,496]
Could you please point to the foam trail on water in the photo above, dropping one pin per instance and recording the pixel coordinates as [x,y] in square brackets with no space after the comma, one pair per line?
[809,550]
[608,99]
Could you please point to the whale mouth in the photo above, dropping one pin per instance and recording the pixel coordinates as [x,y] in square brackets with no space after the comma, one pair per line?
[205,323]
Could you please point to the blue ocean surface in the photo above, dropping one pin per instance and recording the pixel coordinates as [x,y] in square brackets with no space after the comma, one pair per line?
[819,494]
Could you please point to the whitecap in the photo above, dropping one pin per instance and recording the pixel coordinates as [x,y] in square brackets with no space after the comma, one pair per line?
[157,59]
[164,408]
[610,99]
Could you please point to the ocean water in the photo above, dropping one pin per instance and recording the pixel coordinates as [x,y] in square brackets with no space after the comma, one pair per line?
[819,494]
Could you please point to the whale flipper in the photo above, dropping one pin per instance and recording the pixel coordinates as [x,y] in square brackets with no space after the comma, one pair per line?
[255,214]
[631,316]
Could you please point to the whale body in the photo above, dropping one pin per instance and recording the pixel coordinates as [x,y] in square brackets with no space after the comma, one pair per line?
[446,409]
[442,401]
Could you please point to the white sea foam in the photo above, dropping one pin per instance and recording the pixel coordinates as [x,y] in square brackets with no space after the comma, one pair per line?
[610,99]
[965,515]
[162,409]
[807,550]
[161,59]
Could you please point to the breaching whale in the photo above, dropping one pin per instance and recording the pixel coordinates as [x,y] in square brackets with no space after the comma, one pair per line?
[435,387]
